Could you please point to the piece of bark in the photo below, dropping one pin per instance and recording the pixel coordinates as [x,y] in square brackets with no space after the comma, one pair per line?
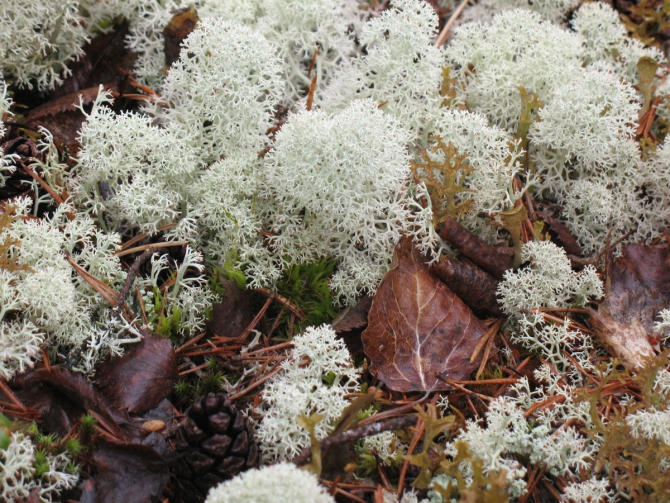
[484,255]
[473,285]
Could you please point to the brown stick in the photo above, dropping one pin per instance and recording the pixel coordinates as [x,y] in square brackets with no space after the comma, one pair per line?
[397,423]
[130,279]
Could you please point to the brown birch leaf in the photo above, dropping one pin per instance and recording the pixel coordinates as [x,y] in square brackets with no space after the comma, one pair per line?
[418,328]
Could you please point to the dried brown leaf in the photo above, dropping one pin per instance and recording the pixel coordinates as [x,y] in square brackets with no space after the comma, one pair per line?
[627,342]
[129,472]
[78,390]
[142,377]
[638,287]
[353,317]
[560,234]
[234,313]
[418,329]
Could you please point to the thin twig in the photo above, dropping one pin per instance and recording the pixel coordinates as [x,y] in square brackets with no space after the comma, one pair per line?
[482,342]
[130,279]
[282,300]
[257,383]
[368,430]
[445,31]
[10,394]
[418,433]
[467,391]
[140,237]
[150,246]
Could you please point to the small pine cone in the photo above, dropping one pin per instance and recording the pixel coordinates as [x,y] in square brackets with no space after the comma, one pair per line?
[217,443]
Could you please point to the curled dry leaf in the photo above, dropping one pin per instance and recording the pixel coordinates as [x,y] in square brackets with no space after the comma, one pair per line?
[142,377]
[74,388]
[129,472]
[418,329]
[638,288]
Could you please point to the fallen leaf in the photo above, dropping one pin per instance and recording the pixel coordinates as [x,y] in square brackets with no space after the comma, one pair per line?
[418,329]
[142,377]
[59,414]
[100,64]
[234,313]
[638,287]
[627,342]
[78,390]
[560,234]
[179,27]
[129,472]
[353,317]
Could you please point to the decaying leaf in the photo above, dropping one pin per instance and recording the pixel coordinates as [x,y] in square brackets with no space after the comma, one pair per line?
[129,472]
[75,389]
[418,328]
[142,377]
[353,317]
[627,342]
[234,313]
[638,287]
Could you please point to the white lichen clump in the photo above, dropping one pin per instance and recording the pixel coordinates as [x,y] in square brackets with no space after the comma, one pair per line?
[508,431]
[17,472]
[278,483]
[220,96]
[45,303]
[401,70]
[39,40]
[300,389]
[548,281]
[339,184]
